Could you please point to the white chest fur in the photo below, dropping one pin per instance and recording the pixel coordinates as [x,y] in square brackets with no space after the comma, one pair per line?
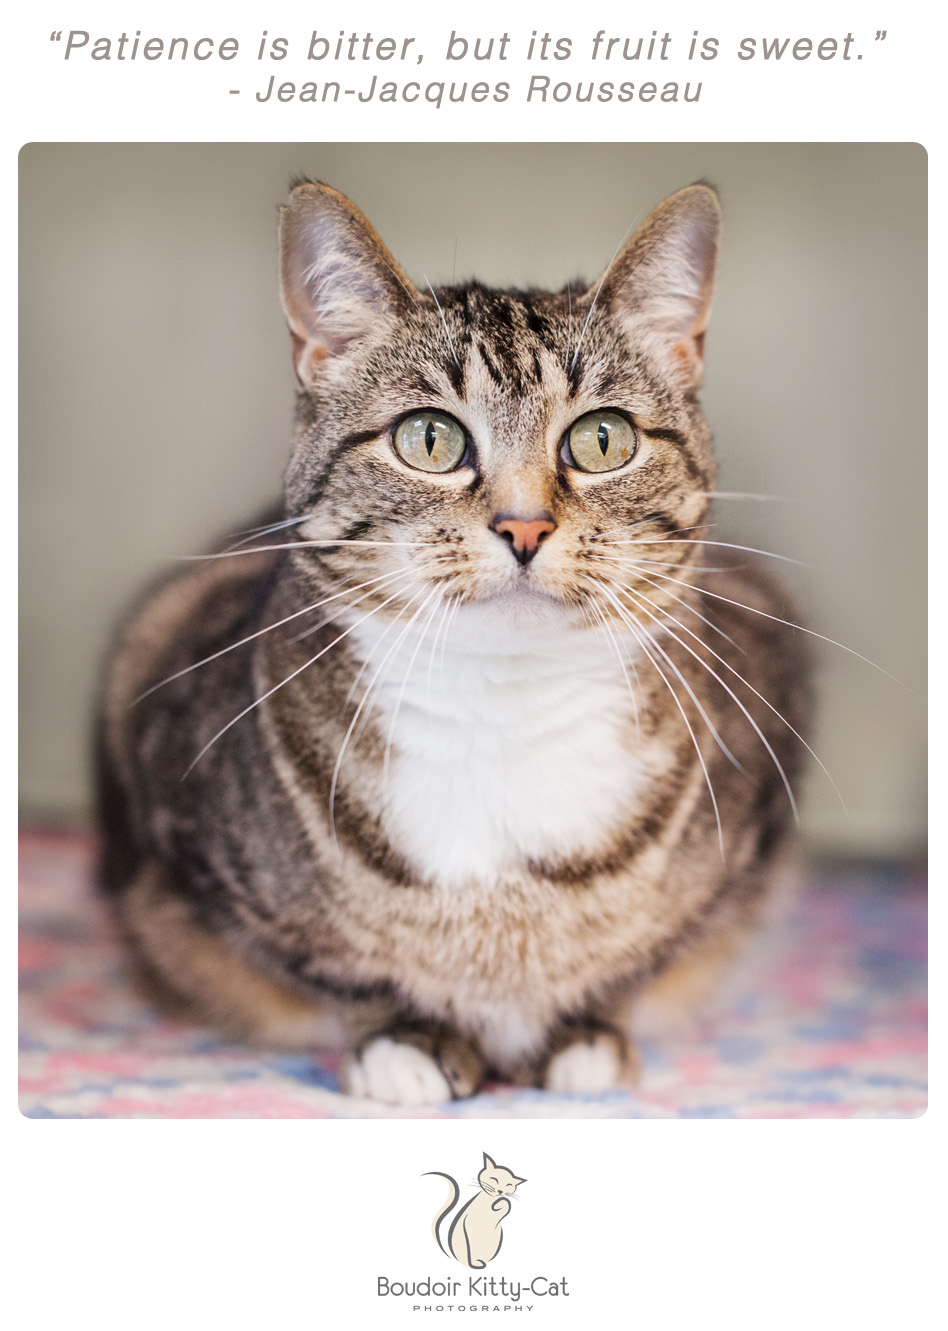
[502,748]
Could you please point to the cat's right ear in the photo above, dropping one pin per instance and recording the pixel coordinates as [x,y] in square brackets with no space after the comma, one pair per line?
[337,278]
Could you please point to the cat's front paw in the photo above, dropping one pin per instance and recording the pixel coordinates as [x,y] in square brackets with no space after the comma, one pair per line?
[591,1062]
[396,1074]
[411,1067]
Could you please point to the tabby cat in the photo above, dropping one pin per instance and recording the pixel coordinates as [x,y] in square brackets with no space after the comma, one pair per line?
[483,735]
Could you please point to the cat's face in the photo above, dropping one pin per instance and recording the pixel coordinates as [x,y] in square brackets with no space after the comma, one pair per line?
[498,449]
[497,1181]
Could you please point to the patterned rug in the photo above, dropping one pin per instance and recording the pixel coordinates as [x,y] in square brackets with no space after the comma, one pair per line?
[830,1022]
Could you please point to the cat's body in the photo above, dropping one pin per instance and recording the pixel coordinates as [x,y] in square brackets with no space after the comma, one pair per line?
[478,819]
[475,1234]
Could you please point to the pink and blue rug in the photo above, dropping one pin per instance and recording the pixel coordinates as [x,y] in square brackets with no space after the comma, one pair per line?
[830,1023]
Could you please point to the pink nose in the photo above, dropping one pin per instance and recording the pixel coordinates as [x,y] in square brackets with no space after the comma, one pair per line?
[524,535]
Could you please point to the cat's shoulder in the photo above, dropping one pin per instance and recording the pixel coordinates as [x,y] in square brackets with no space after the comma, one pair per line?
[744,599]
[185,613]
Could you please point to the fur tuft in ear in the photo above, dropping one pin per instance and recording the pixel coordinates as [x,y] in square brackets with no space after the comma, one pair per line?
[663,279]
[338,279]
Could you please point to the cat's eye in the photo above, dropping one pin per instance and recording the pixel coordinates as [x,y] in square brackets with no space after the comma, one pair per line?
[430,441]
[599,441]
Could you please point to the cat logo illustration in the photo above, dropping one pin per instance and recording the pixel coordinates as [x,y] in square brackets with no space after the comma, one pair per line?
[475,1233]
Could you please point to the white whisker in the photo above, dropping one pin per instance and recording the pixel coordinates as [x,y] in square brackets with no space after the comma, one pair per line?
[250,532]
[386,580]
[800,629]
[725,545]
[259,633]
[694,739]
[682,602]
[600,536]
[569,326]
[297,545]
[413,600]
[727,688]
[365,697]
[452,615]
[375,647]
[406,286]
[442,623]
[598,289]
[359,723]
[618,653]
[410,573]
[747,684]
[270,692]
[633,561]
[445,322]
[738,494]
[408,669]
[630,620]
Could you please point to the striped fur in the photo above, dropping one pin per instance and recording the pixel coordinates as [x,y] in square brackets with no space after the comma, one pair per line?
[467,807]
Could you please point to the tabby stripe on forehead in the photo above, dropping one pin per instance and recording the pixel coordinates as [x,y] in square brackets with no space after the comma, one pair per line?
[537,323]
[574,374]
[455,373]
[501,315]
[491,366]
[423,385]
[608,382]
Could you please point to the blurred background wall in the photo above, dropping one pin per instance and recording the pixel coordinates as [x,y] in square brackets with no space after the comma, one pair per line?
[157,393]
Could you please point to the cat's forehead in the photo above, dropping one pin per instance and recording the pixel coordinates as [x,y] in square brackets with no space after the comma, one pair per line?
[515,342]
[516,361]
[503,313]
[492,340]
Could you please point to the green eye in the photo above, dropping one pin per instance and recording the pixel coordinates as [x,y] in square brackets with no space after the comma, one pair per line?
[600,441]
[430,441]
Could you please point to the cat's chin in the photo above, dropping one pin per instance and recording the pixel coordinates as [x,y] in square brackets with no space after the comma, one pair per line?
[519,612]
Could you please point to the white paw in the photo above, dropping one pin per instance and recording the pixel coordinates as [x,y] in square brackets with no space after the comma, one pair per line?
[396,1074]
[583,1066]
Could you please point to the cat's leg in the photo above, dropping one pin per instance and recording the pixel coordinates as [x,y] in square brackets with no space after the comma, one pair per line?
[588,1055]
[680,996]
[692,987]
[412,1063]
[192,975]
[595,1053]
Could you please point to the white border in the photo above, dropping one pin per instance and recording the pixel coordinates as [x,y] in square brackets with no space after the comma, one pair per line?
[744,1224]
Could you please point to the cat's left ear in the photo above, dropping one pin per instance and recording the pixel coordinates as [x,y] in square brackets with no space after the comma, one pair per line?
[488,1162]
[338,279]
[661,283]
